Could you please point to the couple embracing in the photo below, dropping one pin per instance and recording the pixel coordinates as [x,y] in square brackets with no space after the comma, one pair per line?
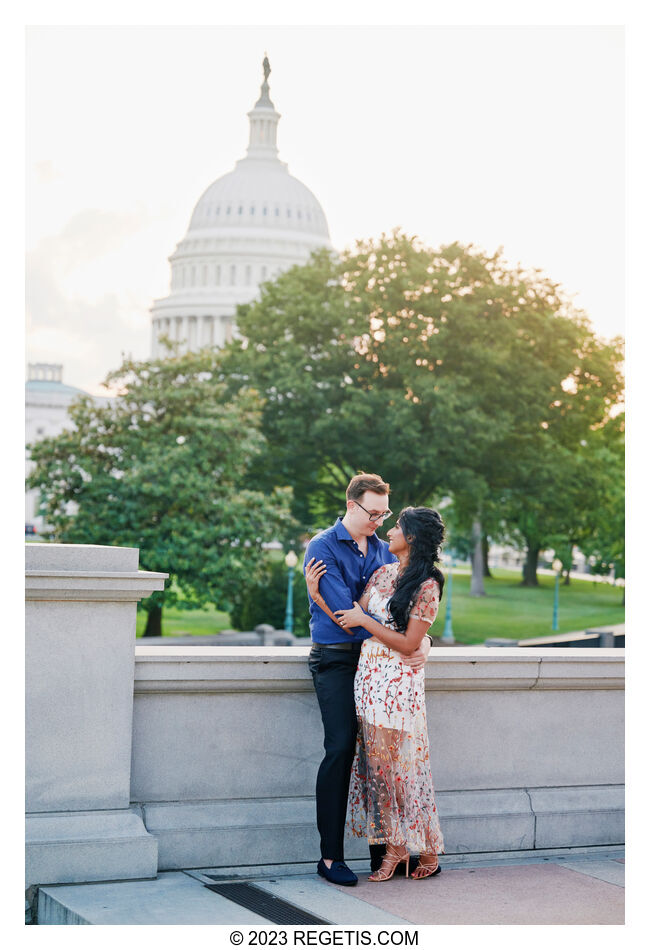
[371,605]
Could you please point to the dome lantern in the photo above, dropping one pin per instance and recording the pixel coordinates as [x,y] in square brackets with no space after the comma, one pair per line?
[263,123]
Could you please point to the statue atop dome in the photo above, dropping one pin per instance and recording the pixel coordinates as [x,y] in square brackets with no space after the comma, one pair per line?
[265,99]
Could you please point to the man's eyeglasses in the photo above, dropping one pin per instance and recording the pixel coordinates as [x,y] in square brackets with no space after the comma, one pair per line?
[376,515]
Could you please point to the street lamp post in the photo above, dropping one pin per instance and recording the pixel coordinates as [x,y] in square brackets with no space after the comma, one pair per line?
[620,582]
[290,560]
[557,567]
[448,633]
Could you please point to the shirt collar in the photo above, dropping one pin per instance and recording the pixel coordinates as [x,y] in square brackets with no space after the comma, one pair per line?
[343,534]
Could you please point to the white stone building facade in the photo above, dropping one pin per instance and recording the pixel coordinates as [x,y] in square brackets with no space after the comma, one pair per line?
[47,399]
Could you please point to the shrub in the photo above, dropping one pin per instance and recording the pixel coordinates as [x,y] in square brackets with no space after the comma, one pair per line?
[265,600]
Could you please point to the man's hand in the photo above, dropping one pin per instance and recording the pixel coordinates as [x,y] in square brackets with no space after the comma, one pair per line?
[418,658]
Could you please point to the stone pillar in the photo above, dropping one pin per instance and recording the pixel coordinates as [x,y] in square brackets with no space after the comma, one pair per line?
[80,655]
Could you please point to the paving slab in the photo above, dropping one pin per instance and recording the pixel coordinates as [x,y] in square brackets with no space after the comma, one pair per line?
[340,907]
[172,898]
[525,894]
[612,872]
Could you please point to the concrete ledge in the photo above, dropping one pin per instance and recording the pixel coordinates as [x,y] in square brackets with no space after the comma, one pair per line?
[59,572]
[77,557]
[221,669]
[581,669]
[267,669]
[88,846]
[92,587]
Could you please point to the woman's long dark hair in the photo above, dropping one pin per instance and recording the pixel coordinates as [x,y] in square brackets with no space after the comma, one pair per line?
[424,531]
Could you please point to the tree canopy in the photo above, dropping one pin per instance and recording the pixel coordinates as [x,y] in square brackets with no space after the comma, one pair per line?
[164,467]
[447,371]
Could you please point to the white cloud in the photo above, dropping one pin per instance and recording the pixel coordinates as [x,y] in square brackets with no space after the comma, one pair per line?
[86,332]
[46,173]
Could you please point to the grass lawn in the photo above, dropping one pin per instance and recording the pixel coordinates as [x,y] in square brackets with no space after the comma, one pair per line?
[510,610]
[176,622]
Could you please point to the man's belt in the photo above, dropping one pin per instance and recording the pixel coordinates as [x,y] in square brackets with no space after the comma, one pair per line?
[352,645]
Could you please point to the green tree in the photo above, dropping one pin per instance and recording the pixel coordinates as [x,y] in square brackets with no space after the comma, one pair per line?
[605,541]
[165,468]
[442,370]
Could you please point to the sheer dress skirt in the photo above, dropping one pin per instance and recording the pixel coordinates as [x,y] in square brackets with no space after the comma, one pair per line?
[391,795]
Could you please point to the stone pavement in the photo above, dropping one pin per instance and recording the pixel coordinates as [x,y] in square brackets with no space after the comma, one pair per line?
[573,886]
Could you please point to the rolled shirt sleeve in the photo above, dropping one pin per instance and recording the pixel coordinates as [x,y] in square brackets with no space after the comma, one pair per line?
[335,592]
[348,572]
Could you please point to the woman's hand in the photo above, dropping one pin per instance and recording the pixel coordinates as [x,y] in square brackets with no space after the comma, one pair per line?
[418,658]
[313,574]
[351,618]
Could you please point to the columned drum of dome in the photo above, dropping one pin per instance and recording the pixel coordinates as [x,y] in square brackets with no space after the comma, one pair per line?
[249,225]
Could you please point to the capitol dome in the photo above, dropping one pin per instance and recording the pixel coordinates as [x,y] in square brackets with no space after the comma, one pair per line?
[249,225]
[268,198]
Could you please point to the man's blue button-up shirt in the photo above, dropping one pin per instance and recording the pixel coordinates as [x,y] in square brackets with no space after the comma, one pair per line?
[348,572]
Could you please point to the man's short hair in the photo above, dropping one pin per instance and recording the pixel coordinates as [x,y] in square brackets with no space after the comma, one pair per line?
[364,482]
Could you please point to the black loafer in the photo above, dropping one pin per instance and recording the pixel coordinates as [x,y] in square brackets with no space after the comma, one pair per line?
[339,873]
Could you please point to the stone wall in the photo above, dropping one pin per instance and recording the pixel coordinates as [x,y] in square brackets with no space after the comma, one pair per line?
[144,758]
[527,751]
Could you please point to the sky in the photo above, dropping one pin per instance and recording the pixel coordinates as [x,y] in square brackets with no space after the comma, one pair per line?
[497,136]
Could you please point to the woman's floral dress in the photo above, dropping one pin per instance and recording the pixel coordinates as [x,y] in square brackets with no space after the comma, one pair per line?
[391,790]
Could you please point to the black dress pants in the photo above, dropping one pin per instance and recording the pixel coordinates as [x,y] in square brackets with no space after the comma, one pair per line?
[333,674]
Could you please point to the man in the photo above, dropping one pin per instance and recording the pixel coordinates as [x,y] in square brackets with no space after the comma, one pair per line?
[351,552]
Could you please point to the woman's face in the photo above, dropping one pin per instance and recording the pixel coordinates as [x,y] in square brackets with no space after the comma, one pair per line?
[397,543]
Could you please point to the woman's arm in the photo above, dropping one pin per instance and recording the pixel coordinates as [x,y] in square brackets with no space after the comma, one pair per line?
[314,570]
[313,574]
[402,642]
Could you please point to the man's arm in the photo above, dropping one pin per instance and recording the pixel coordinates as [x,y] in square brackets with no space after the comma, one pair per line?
[418,658]
[332,586]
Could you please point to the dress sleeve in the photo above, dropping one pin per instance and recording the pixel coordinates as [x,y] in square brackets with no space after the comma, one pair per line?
[365,597]
[426,604]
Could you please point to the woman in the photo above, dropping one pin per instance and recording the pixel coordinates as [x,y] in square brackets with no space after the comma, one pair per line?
[391,797]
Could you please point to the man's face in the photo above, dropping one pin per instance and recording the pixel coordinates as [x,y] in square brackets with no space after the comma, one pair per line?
[373,504]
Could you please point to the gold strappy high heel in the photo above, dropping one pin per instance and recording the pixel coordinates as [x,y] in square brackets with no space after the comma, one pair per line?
[392,859]
[427,867]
